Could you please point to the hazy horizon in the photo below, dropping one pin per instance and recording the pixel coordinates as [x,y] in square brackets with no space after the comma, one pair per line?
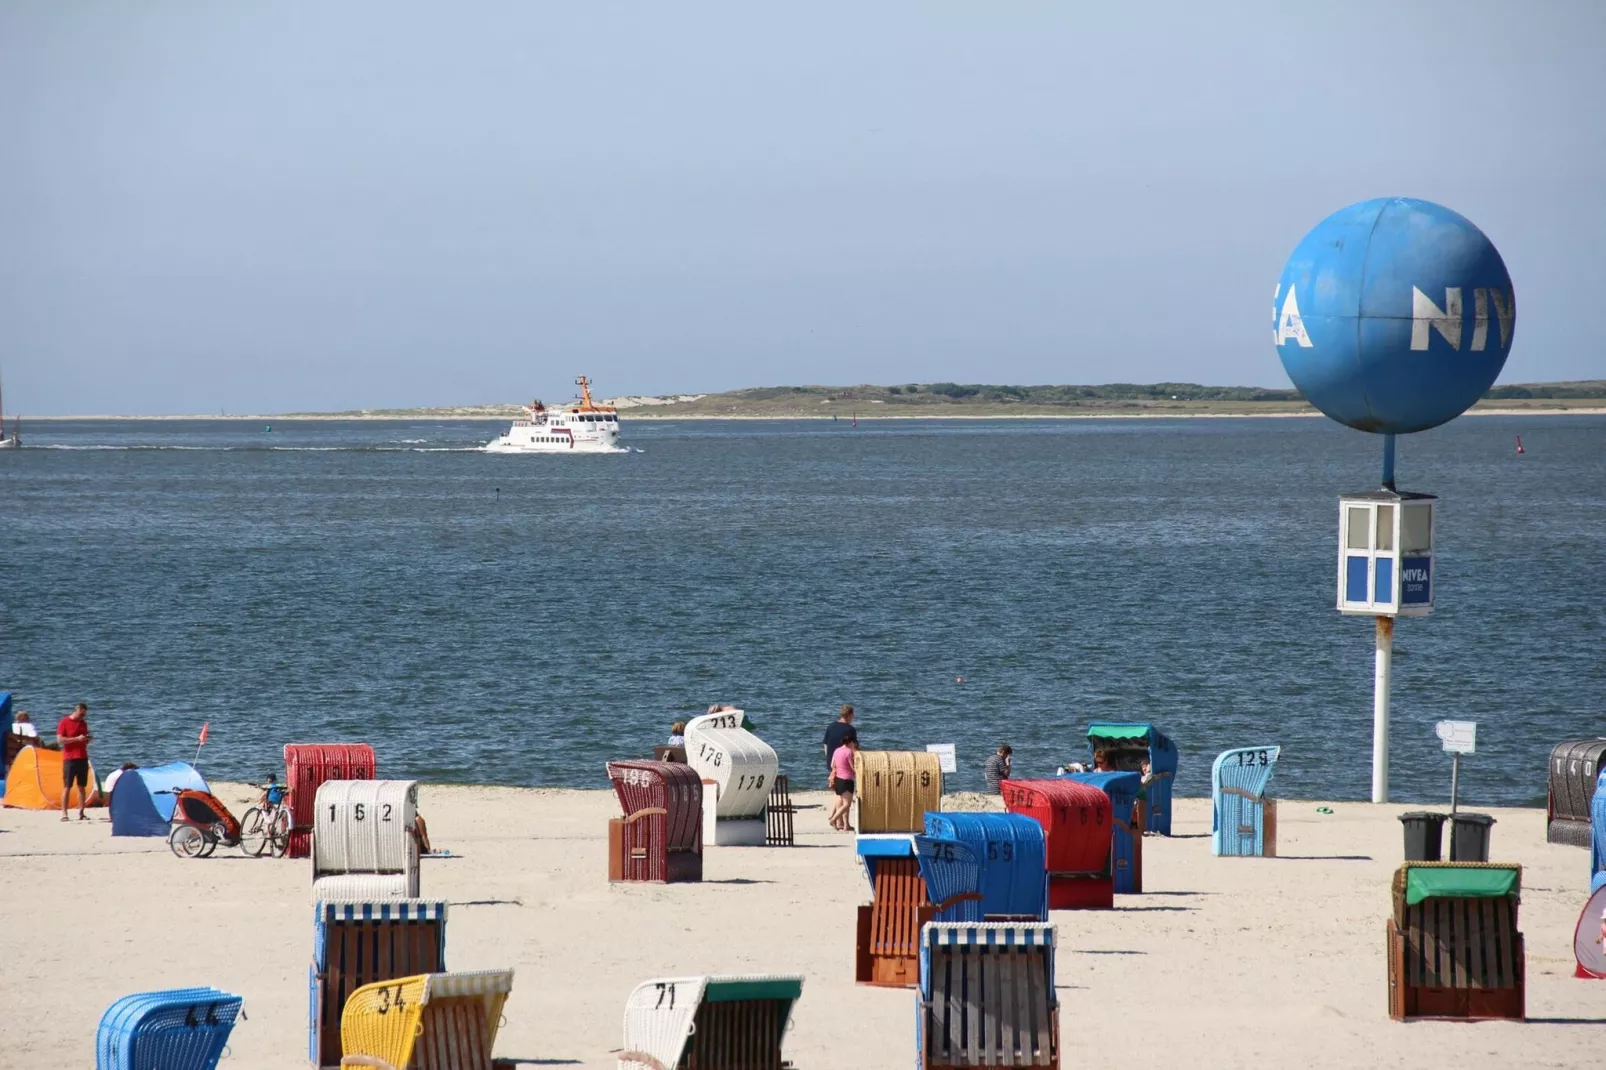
[359,205]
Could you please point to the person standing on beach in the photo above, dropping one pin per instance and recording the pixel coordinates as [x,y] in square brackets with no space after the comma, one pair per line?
[23,725]
[73,735]
[997,768]
[839,732]
[842,783]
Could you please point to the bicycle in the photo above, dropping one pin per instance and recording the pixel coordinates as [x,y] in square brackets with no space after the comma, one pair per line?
[265,827]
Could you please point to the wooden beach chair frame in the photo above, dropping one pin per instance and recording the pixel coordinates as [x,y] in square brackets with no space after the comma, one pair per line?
[986,997]
[1459,957]
[887,938]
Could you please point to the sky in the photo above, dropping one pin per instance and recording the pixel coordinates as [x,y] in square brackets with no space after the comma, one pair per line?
[256,207]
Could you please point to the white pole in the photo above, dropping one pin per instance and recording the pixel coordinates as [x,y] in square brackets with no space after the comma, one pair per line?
[1380,710]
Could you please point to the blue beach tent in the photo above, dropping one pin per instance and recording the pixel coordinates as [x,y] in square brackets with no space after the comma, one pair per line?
[1128,745]
[1013,856]
[1240,822]
[137,809]
[1126,840]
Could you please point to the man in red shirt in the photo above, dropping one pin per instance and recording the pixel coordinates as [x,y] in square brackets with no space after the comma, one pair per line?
[73,735]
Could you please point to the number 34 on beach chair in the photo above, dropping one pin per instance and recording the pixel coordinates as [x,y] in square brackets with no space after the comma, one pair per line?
[434,1021]
[913,880]
[708,1023]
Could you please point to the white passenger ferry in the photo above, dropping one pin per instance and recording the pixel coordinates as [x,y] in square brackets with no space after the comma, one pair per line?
[579,427]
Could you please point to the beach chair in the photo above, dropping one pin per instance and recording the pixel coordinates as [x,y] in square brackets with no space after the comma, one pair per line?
[365,828]
[433,1021]
[1128,746]
[1597,833]
[660,836]
[1078,832]
[709,1023]
[986,996]
[1011,852]
[894,789]
[1453,946]
[308,765]
[913,880]
[178,1029]
[779,815]
[1570,788]
[1126,827]
[738,771]
[1244,821]
[355,944]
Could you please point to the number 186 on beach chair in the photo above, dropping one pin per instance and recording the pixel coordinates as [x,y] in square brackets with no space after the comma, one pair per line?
[709,1023]
[434,1021]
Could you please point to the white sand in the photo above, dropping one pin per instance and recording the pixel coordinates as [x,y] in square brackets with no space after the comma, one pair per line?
[1225,963]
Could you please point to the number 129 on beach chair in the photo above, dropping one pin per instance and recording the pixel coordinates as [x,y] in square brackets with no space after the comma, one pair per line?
[1245,821]
[709,1023]
[986,996]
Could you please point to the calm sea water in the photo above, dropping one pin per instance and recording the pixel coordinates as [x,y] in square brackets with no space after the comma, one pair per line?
[522,619]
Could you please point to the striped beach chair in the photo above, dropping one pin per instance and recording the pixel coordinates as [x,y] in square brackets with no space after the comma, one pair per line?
[709,1023]
[1012,854]
[178,1029]
[1453,946]
[1244,821]
[355,944]
[986,996]
[913,880]
[435,1021]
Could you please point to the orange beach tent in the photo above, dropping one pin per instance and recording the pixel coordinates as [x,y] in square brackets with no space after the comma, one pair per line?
[34,781]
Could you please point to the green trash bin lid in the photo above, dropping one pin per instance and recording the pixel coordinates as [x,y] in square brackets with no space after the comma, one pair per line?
[1459,882]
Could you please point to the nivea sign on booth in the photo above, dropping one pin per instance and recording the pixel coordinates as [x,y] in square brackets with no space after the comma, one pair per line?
[1392,316]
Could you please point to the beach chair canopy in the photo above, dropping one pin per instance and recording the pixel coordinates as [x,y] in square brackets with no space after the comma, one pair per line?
[1128,745]
[1011,852]
[143,799]
[34,781]
[947,868]
[735,1020]
[741,765]
[176,1029]
[894,789]
[1570,788]
[672,787]
[307,766]
[1075,817]
[365,826]
[1454,947]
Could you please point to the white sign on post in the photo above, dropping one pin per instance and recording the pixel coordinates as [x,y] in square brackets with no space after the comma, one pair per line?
[1460,737]
[946,759]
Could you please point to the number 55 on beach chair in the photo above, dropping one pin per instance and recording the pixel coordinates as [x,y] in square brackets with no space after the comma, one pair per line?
[913,880]
[708,1023]
[986,997]
[1245,821]
[179,1029]
[434,1021]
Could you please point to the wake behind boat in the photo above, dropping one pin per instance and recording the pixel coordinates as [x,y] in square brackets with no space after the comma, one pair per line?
[14,440]
[579,427]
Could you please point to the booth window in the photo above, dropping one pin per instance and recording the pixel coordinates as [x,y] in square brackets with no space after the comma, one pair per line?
[1385,528]
[1357,528]
[1416,529]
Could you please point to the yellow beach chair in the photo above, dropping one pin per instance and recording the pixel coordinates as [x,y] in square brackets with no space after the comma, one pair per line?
[434,1021]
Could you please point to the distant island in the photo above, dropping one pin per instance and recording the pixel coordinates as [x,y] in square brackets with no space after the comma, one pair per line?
[938,400]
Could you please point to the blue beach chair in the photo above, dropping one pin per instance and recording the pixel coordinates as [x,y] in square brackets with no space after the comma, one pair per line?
[1126,839]
[1244,822]
[1597,828]
[1012,854]
[179,1029]
[986,996]
[1128,746]
[913,880]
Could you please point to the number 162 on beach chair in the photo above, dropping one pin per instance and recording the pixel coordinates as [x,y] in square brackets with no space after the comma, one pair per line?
[708,1023]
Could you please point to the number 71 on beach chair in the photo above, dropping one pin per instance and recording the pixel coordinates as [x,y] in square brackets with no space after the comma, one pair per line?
[711,1023]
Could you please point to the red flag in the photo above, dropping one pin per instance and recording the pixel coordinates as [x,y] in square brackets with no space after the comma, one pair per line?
[202,738]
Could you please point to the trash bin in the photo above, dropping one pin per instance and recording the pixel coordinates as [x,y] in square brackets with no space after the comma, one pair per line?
[1422,834]
[1469,837]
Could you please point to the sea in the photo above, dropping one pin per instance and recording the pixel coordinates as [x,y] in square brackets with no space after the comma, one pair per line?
[524,619]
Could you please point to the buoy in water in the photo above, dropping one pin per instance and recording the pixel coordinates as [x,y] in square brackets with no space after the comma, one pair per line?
[268,428]
[959,679]
[1520,450]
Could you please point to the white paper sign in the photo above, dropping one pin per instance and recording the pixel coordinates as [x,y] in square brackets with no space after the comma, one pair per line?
[946,759]
[1460,737]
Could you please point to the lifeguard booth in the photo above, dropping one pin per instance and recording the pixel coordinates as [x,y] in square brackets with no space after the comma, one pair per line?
[1128,746]
[1385,555]
[738,772]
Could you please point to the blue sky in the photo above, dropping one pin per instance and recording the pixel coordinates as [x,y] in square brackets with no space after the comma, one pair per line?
[255,207]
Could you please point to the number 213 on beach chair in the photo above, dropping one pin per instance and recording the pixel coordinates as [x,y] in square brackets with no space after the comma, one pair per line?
[708,1023]
[986,996]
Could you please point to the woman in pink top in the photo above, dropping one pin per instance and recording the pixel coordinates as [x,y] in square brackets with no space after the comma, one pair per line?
[842,784]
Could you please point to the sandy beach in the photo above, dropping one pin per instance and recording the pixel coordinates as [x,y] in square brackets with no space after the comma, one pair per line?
[1223,963]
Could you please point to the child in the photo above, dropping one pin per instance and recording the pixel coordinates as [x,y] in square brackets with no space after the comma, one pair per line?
[842,784]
